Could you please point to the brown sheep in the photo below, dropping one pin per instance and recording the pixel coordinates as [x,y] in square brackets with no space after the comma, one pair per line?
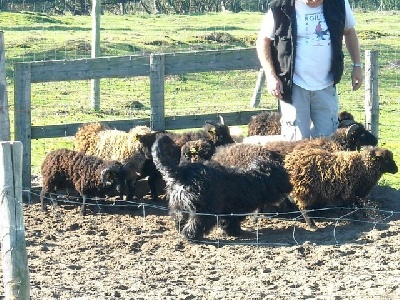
[88,175]
[242,155]
[321,178]
[264,123]
[133,149]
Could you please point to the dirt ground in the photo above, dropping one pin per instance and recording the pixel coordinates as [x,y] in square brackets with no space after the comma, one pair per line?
[119,251]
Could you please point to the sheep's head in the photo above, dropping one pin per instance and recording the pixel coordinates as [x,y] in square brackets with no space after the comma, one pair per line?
[200,150]
[113,179]
[345,119]
[219,133]
[384,158]
[357,136]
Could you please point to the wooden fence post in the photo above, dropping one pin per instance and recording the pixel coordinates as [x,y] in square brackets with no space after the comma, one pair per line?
[157,90]
[371,92]
[95,83]
[255,100]
[5,134]
[23,120]
[13,245]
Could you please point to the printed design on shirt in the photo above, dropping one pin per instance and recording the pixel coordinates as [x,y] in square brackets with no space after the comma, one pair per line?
[317,29]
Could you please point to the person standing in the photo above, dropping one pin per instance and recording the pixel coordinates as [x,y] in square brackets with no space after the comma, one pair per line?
[299,47]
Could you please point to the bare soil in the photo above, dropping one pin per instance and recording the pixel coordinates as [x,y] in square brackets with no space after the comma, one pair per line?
[121,251]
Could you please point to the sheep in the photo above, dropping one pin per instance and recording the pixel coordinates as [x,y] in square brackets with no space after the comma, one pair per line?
[132,148]
[320,177]
[87,174]
[217,133]
[264,123]
[212,134]
[242,155]
[87,137]
[197,151]
[350,134]
[346,119]
[198,191]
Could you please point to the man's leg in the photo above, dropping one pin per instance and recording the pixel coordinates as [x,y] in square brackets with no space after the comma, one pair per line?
[324,111]
[295,117]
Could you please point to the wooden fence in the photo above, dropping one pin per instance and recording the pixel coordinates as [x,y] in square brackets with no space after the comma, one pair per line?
[156,67]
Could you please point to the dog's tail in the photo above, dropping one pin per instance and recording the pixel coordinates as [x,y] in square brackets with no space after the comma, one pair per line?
[166,156]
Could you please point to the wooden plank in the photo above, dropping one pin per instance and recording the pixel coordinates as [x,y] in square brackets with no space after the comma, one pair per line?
[89,68]
[157,91]
[13,244]
[135,65]
[197,121]
[64,130]
[171,123]
[22,119]
[209,61]
[5,134]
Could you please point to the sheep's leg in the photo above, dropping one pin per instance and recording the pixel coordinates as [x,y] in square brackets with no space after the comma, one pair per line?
[43,194]
[82,212]
[303,211]
[231,225]
[152,181]
[308,220]
[193,229]
[130,183]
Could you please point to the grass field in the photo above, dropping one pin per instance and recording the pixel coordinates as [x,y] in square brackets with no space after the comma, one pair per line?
[32,36]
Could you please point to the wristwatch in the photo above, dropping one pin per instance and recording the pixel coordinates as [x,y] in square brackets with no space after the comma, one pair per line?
[356,65]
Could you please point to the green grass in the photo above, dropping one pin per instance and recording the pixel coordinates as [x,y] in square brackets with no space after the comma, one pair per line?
[31,36]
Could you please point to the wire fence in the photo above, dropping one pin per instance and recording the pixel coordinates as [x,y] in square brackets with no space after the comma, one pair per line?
[132,250]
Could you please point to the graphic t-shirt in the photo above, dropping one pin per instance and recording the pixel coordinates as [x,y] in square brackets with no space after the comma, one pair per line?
[314,51]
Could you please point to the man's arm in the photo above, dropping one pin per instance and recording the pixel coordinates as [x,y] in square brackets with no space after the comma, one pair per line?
[353,46]
[274,85]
